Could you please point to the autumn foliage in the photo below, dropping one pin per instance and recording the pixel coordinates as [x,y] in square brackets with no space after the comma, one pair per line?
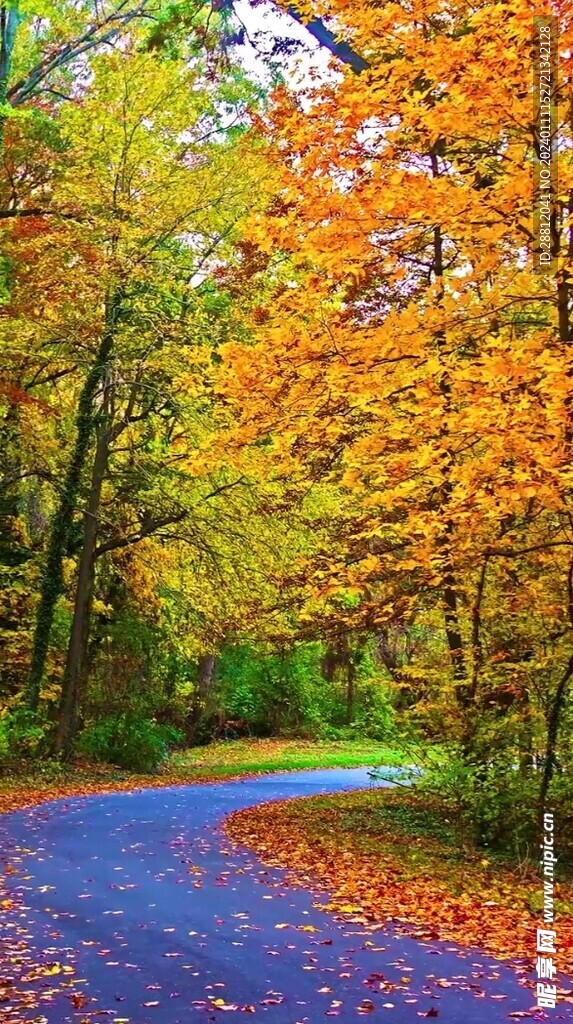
[413,362]
[285,411]
[419,883]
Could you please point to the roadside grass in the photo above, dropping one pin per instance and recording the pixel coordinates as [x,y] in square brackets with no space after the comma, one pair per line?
[270,755]
[388,854]
[26,784]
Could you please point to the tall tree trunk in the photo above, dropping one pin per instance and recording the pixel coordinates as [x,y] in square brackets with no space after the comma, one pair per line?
[556,709]
[449,583]
[330,662]
[9,20]
[206,667]
[563,236]
[14,553]
[452,620]
[205,674]
[79,634]
[51,582]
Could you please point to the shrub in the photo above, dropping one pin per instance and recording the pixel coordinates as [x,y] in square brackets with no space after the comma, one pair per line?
[287,694]
[22,736]
[492,803]
[374,714]
[276,694]
[129,741]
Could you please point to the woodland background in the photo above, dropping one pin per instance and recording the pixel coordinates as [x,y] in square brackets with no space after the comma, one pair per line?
[285,413]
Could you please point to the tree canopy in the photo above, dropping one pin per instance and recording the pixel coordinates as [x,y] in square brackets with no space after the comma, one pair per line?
[284,408]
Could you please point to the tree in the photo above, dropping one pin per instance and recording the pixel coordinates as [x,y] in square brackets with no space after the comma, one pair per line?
[38,55]
[151,210]
[414,360]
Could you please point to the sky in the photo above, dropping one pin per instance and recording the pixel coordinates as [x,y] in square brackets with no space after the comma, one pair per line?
[267,18]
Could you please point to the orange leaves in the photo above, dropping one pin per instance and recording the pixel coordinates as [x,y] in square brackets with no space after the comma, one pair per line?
[379,872]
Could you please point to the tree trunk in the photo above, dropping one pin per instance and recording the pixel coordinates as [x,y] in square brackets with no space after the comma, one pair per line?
[556,709]
[555,712]
[79,634]
[330,662]
[205,672]
[206,666]
[51,582]
[453,632]
[449,586]
[350,689]
[14,554]
[9,20]
[205,675]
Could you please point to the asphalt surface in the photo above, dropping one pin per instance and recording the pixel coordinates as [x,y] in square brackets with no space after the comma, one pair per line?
[166,923]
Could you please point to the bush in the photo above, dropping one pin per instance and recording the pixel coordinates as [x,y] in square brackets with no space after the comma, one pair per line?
[276,694]
[21,735]
[491,804]
[129,741]
[374,714]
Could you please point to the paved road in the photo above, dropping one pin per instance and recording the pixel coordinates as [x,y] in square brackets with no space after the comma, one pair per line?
[167,924]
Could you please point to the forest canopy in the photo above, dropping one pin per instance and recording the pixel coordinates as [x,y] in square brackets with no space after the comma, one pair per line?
[285,418]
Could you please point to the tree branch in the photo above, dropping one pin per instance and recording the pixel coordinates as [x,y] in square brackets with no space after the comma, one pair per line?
[326,38]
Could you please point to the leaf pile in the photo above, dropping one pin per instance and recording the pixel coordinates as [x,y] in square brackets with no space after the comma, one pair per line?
[369,850]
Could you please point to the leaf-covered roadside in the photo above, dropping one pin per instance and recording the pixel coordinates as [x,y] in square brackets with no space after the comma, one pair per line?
[30,979]
[29,790]
[389,855]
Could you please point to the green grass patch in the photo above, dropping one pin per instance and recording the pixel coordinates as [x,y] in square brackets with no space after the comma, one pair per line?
[231,757]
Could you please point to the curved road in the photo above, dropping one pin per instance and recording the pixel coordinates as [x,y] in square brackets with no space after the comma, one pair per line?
[166,923]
